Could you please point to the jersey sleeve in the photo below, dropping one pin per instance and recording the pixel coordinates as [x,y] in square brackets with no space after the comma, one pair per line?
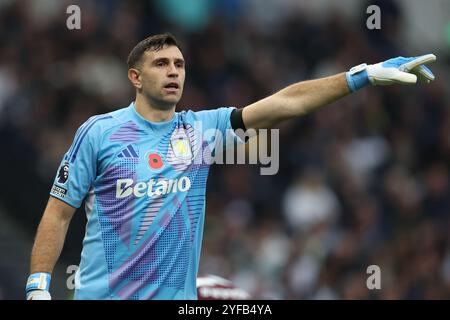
[78,167]
[220,120]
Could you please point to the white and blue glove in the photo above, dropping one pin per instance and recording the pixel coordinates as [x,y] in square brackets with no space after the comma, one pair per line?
[38,285]
[397,70]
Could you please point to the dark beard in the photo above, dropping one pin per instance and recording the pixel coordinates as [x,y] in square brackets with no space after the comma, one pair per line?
[158,103]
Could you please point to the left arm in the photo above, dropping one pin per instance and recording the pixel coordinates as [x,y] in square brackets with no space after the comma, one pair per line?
[304,97]
[295,100]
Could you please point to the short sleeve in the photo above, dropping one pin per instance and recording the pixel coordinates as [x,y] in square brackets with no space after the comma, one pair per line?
[219,119]
[78,167]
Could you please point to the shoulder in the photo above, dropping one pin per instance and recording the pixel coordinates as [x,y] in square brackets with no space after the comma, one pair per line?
[207,114]
[99,124]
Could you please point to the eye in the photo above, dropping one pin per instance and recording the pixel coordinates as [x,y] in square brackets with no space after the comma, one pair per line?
[160,64]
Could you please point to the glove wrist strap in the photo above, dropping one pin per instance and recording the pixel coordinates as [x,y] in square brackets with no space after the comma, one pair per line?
[38,281]
[357,77]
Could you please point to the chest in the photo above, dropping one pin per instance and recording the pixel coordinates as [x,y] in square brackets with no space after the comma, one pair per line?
[143,156]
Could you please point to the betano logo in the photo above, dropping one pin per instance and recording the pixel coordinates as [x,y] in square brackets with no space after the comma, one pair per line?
[152,188]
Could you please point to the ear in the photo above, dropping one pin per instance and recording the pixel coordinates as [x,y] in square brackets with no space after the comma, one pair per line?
[134,76]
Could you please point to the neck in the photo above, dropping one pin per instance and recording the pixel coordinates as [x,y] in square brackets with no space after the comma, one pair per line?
[151,113]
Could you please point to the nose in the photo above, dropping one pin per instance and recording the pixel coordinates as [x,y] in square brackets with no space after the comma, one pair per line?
[172,71]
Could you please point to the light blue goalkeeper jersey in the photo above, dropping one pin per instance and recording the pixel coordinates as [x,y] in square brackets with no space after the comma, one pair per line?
[144,186]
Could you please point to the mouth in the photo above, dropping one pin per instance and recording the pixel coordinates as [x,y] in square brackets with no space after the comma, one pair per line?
[171,87]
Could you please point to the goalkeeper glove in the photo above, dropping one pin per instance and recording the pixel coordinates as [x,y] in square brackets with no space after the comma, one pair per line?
[397,70]
[38,285]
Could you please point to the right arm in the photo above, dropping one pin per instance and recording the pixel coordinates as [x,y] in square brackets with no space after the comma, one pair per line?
[47,247]
[50,235]
[74,178]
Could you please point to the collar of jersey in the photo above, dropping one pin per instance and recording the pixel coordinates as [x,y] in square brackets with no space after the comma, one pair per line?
[156,127]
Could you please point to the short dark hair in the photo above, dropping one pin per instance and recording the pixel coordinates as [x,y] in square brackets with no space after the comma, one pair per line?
[156,42]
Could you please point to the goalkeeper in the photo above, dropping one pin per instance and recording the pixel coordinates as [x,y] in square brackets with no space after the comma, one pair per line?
[144,193]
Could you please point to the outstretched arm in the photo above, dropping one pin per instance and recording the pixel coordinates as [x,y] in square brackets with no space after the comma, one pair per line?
[295,100]
[304,97]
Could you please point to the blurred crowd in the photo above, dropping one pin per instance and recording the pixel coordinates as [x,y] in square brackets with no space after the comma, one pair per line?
[362,182]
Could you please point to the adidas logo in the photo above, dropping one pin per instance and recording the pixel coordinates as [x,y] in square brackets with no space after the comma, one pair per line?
[128,152]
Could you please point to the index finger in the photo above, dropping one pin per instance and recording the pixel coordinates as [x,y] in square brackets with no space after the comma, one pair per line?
[425,59]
